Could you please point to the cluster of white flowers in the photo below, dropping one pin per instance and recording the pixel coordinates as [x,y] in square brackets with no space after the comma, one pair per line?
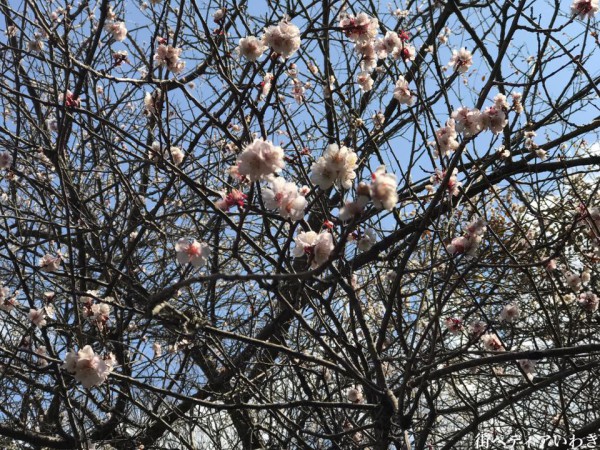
[402,93]
[365,81]
[88,368]
[251,48]
[585,8]
[50,263]
[336,166]
[461,60]
[446,139]
[491,342]
[96,313]
[468,121]
[283,39]
[260,159]
[471,122]
[517,98]
[356,207]
[453,185]
[37,317]
[494,117]
[528,367]
[355,394]
[7,303]
[285,197]
[41,353]
[298,90]
[192,251]
[317,246]
[510,313]
[383,189]
[364,240]
[453,325]
[382,192]
[360,28]
[168,56]
[477,327]
[576,281]
[157,153]
[117,30]
[151,102]
[469,242]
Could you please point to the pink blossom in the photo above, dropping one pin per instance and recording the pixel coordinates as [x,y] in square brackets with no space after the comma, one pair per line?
[69,99]
[336,167]
[118,30]
[491,342]
[365,81]
[366,240]
[494,119]
[517,105]
[260,159]
[6,303]
[362,28]
[453,185]
[192,251]
[355,208]
[469,242]
[284,38]
[251,48]
[167,55]
[468,121]
[318,247]
[41,353]
[355,394]
[584,8]
[461,60]
[453,325]
[266,84]
[389,43]
[368,55]
[37,317]
[284,196]
[477,327]
[298,90]
[234,198]
[177,155]
[446,139]
[383,189]
[405,51]
[219,14]
[528,366]
[99,314]
[49,263]
[89,368]
[510,313]
[402,93]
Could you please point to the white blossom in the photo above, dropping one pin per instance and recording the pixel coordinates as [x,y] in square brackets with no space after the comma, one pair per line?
[260,159]
[192,251]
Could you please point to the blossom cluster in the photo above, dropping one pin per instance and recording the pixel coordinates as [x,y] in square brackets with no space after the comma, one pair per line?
[469,242]
[283,39]
[168,56]
[89,368]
